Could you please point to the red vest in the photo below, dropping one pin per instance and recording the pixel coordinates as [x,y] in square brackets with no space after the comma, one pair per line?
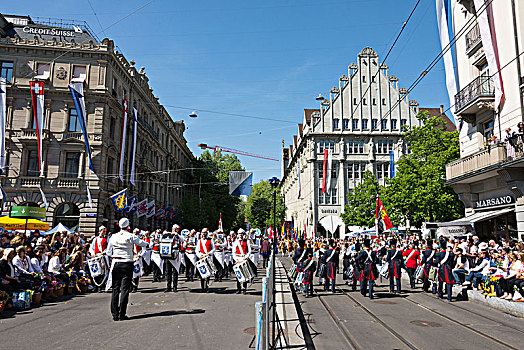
[137,249]
[100,245]
[242,244]
[208,246]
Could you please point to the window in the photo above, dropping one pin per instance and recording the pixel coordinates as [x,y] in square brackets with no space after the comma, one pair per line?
[383,171]
[113,90]
[383,124]
[72,164]
[32,163]
[487,128]
[356,171]
[6,71]
[374,101]
[345,124]
[74,122]
[79,74]
[393,124]
[109,165]
[335,124]
[365,124]
[373,79]
[403,122]
[363,78]
[112,123]
[356,147]
[364,102]
[383,147]
[68,214]
[354,124]
[374,124]
[43,70]
[383,102]
[333,193]
[326,145]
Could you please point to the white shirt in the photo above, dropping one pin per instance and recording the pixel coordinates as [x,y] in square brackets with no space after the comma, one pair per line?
[37,264]
[121,246]
[54,265]
[22,265]
[483,267]
[240,257]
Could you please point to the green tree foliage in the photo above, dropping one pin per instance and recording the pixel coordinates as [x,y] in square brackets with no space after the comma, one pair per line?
[259,206]
[361,202]
[210,193]
[418,191]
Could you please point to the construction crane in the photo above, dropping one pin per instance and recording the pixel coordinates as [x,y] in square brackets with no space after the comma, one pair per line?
[235,151]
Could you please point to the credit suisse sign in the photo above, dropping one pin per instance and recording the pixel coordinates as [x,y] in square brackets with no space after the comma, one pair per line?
[493,202]
[49,31]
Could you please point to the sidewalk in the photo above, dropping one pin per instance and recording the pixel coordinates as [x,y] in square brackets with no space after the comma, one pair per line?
[287,310]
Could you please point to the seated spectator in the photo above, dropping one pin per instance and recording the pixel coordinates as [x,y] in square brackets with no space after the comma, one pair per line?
[479,272]
[507,280]
[461,266]
[10,283]
[23,266]
[519,280]
[39,260]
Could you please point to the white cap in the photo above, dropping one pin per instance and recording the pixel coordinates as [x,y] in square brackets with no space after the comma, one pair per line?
[241,230]
[123,223]
[101,228]
[175,226]
[136,230]
[204,230]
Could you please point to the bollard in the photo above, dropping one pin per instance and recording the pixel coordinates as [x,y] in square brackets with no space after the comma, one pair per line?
[260,325]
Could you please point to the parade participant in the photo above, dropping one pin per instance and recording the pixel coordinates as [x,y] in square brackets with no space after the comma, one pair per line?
[412,261]
[171,264]
[428,261]
[120,248]
[346,259]
[321,272]
[156,261]
[205,248]
[331,259]
[367,260]
[357,268]
[138,253]
[99,244]
[219,255]
[395,263]
[309,271]
[241,250]
[189,256]
[265,249]
[445,271]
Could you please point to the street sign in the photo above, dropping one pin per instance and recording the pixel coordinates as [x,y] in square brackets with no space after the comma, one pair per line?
[27,212]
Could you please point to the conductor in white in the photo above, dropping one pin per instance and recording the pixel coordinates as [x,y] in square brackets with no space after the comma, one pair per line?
[120,249]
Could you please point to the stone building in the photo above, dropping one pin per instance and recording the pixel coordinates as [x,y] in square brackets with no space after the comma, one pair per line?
[61,53]
[489,176]
[361,124]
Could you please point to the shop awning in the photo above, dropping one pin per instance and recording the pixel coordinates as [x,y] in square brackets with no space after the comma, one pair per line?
[20,224]
[477,217]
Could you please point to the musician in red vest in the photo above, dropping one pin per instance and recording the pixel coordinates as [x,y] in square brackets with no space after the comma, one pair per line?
[205,248]
[241,251]
[137,254]
[97,248]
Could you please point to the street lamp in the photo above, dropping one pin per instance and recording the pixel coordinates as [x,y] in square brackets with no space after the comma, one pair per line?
[319,98]
[193,114]
[274,182]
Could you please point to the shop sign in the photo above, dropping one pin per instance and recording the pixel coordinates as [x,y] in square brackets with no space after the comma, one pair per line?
[329,211]
[50,31]
[493,202]
[27,212]
[452,231]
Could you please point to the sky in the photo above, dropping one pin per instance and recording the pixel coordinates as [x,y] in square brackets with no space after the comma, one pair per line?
[256,59]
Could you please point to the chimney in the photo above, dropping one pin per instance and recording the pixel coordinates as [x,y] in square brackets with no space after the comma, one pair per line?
[441,109]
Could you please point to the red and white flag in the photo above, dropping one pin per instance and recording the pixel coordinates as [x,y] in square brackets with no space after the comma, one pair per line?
[326,179]
[123,140]
[141,208]
[382,221]
[220,223]
[37,96]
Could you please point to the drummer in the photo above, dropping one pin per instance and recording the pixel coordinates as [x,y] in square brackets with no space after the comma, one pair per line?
[189,255]
[171,270]
[241,251]
[205,248]
[98,248]
[138,252]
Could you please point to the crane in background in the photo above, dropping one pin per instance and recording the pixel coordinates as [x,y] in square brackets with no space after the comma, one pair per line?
[235,151]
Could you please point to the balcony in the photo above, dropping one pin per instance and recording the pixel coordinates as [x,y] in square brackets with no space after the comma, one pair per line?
[478,94]
[68,182]
[30,181]
[473,39]
[29,134]
[477,162]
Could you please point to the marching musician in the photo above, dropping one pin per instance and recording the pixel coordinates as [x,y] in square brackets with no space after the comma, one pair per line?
[395,263]
[357,269]
[309,271]
[205,248]
[137,253]
[98,247]
[189,249]
[218,256]
[241,251]
[428,261]
[331,259]
[445,275]
[367,260]
[120,248]
[346,261]
[171,271]
[155,257]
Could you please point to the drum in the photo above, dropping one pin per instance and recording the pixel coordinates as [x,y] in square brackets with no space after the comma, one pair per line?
[419,273]
[349,271]
[137,268]
[166,248]
[384,270]
[243,271]
[97,266]
[205,267]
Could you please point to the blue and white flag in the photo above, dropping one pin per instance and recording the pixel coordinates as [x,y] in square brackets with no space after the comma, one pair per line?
[44,199]
[131,205]
[3,116]
[240,183]
[77,92]
[133,148]
[120,200]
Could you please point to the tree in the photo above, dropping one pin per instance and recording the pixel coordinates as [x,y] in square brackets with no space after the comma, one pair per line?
[418,191]
[259,206]
[210,193]
[361,202]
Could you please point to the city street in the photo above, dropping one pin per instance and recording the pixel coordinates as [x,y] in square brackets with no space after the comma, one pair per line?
[188,319]
[414,320]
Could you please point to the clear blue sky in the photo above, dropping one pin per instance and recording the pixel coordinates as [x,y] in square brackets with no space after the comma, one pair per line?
[265,59]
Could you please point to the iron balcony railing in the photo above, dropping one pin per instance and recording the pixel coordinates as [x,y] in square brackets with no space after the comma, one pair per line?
[482,86]
[473,37]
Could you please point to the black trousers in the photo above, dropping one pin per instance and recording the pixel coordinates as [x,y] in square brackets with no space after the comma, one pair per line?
[220,270]
[171,275]
[411,275]
[190,269]
[449,289]
[122,275]
[364,287]
[204,283]
[241,285]
[392,280]
[265,257]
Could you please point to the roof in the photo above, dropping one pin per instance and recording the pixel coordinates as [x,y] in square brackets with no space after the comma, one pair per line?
[308,113]
[439,112]
[300,127]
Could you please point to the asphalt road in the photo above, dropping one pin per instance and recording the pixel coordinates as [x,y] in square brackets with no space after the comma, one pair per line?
[188,319]
[412,320]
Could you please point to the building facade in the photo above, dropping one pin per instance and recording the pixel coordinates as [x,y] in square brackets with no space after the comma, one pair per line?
[66,52]
[361,124]
[489,176]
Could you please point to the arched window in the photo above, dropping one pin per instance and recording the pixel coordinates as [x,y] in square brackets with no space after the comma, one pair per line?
[69,215]
[29,204]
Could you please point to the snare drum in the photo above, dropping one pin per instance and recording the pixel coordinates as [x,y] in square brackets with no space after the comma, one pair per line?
[97,266]
[205,267]
[166,248]
[243,271]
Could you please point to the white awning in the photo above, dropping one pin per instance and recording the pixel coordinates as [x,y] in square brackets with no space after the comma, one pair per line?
[331,223]
[477,217]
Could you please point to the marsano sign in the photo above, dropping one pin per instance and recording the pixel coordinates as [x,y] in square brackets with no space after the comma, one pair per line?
[491,202]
